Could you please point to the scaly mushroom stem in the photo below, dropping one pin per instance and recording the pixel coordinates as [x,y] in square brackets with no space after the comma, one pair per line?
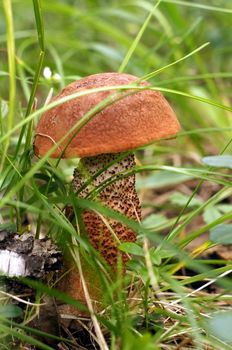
[120,196]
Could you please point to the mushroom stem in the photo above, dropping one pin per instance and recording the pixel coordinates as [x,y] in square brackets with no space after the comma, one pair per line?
[119,195]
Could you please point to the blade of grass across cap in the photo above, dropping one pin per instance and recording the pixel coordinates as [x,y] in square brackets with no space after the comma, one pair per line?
[108,88]
[59,102]
[88,116]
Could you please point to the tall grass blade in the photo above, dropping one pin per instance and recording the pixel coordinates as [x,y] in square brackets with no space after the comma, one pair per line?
[12,73]
[137,39]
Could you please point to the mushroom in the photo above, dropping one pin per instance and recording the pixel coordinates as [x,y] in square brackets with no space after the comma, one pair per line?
[135,120]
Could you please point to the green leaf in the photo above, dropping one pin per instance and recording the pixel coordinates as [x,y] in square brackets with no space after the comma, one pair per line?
[222,234]
[165,253]
[131,248]
[155,256]
[211,214]
[154,220]
[224,208]
[161,179]
[134,342]
[180,199]
[220,326]
[218,161]
[10,311]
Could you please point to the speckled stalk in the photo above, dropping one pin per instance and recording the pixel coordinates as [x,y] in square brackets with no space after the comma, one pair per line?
[120,196]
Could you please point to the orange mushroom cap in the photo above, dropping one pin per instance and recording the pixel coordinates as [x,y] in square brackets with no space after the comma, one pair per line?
[133,121]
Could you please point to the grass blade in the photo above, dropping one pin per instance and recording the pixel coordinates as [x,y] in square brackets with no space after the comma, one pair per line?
[12,72]
[137,39]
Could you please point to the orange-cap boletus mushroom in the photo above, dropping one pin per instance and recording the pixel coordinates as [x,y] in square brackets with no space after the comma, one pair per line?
[135,120]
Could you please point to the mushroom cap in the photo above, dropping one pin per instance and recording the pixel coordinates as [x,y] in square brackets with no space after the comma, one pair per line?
[135,120]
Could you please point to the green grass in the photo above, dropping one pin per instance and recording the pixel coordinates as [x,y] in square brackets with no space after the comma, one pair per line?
[184,49]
